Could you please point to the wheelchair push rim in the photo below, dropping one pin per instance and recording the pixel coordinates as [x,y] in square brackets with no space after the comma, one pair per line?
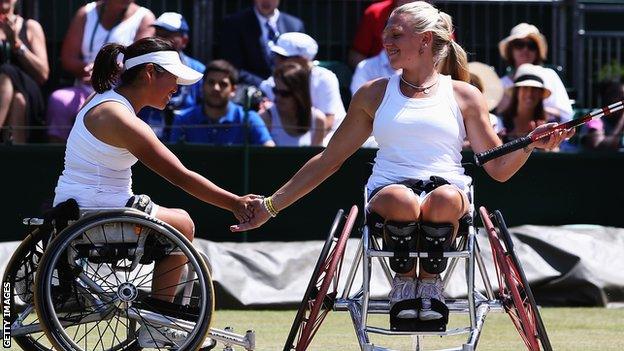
[318,299]
[514,290]
[20,273]
[114,305]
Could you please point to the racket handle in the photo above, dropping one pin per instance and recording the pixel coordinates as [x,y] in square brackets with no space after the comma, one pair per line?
[488,155]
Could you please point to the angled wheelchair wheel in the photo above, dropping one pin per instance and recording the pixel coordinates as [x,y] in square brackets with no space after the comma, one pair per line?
[20,275]
[514,290]
[323,287]
[103,284]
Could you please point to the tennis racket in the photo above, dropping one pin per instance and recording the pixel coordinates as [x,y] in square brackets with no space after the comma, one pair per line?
[483,157]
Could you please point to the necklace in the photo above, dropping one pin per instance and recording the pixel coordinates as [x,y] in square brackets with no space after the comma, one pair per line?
[425,90]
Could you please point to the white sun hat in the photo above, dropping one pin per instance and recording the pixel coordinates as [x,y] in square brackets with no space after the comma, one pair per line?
[295,44]
[528,75]
[521,31]
[170,61]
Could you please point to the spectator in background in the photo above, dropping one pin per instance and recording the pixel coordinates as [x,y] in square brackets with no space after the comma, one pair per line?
[367,41]
[94,25]
[525,44]
[372,68]
[324,87]
[526,110]
[292,120]
[606,133]
[173,27]
[23,69]
[245,38]
[219,121]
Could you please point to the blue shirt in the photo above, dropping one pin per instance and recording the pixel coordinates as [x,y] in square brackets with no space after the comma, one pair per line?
[187,96]
[193,126]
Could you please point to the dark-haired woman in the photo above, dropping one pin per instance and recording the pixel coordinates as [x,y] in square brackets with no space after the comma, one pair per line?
[292,121]
[23,69]
[525,44]
[526,110]
[419,118]
[108,138]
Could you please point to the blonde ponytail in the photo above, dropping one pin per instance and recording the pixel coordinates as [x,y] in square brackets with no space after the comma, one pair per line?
[455,64]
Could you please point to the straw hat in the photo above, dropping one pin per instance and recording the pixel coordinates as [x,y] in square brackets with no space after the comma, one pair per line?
[521,31]
[528,75]
[491,84]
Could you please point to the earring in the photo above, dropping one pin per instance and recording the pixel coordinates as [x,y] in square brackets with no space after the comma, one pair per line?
[422,49]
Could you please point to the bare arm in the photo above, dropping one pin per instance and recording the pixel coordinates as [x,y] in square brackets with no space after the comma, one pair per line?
[37,59]
[482,136]
[71,53]
[351,134]
[115,125]
[145,28]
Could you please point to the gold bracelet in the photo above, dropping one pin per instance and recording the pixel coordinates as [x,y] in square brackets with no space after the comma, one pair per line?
[268,205]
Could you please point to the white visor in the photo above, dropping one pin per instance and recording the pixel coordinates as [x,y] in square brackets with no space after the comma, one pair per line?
[170,61]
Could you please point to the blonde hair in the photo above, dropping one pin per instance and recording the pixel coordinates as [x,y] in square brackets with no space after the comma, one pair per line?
[448,56]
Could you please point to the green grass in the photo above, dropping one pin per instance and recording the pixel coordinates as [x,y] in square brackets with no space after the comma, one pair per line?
[568,328]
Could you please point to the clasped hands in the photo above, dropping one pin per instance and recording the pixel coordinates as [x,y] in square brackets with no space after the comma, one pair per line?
[251,213]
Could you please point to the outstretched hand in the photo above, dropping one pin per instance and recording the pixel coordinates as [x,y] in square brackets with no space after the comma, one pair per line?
[243,209]
[260,216]
[554,140]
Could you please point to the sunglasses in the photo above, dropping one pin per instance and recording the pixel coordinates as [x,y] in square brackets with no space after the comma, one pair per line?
[282,92]
[521,44]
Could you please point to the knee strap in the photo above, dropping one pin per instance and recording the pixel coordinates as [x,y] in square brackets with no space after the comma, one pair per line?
[435,240]
[400,238]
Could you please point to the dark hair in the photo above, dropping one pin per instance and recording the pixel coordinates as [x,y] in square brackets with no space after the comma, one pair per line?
[106,69]
[508,115]
[222,66]
[509,54]
[297,78]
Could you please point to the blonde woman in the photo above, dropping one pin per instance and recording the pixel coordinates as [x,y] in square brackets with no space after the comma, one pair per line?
[419,118]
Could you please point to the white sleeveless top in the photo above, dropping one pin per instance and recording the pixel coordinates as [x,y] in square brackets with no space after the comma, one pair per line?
[418,138]
[96,174]
[281,137]
[95,36]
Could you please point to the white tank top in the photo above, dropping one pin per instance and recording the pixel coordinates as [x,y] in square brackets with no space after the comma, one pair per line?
[95,36]
[281,137]
[418,138]
[96,174]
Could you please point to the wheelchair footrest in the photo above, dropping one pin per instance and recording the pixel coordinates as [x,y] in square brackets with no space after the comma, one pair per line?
[415,324]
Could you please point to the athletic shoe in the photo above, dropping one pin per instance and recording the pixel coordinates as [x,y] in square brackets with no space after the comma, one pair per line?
[429,288]
[403,288]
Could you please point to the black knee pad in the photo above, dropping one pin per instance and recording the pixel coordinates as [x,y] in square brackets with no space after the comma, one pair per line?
[435,239]
[400,238]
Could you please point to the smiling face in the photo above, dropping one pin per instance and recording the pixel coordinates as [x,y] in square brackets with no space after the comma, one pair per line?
[401,43]
[6,6]
[529,97]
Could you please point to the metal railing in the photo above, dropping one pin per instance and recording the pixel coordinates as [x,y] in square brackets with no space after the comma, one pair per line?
[598,51]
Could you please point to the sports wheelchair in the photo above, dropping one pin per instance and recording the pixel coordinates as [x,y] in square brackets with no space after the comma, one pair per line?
[82,280]
[514,293]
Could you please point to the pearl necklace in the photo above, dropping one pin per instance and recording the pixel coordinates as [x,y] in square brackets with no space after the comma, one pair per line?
[419,88]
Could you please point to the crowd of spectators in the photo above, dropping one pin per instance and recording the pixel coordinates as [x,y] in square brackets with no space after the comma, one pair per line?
[264,55]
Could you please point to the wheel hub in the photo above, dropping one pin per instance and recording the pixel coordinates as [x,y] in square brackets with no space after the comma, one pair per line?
[127,292]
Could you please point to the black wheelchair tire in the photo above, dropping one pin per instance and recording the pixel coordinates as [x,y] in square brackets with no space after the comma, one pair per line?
[45,271]
[29,342]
